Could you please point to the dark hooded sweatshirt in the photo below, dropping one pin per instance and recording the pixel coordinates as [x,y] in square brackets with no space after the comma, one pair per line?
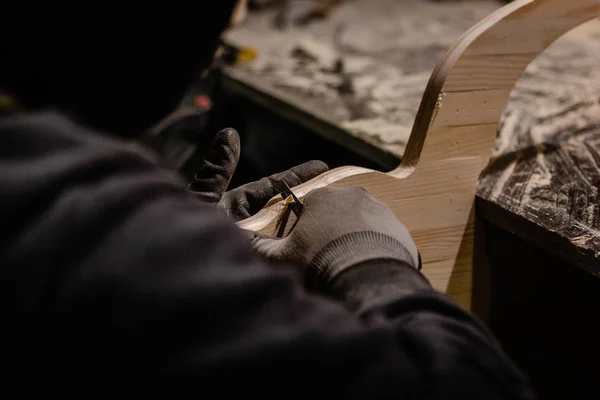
[110,272]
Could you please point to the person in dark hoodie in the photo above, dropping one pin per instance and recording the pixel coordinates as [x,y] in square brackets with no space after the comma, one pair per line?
[113,272]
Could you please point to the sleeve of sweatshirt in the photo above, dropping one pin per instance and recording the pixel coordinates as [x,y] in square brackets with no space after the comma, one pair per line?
[110,272]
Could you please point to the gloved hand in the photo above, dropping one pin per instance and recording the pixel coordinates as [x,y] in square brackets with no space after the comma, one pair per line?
[210,183]
[338,228]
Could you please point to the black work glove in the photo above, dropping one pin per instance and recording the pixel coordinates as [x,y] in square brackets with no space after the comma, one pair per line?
[211,182]
[336,229]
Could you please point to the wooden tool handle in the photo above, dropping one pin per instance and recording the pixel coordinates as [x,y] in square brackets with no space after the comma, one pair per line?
[432,191]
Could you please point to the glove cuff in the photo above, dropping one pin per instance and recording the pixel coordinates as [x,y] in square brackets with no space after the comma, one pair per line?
[355,248]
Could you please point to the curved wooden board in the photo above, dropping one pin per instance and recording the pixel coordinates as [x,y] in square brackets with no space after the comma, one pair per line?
[432,191]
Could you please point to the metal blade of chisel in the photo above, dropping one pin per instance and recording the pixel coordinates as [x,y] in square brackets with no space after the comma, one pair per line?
[285,191]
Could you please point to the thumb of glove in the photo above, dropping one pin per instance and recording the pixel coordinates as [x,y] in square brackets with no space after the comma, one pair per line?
[211,182]
[269,248]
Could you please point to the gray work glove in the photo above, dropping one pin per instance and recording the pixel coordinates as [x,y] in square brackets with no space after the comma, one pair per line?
[338,228]
[210,183]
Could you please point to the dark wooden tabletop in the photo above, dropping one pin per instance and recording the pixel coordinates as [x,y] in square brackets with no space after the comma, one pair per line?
[543,180]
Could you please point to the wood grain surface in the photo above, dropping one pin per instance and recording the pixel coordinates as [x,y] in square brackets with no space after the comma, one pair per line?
[433,189]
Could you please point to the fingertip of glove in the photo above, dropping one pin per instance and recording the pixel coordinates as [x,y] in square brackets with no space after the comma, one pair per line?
[318,165]
[228,141]
[228,131]
[229,136]
[310,169]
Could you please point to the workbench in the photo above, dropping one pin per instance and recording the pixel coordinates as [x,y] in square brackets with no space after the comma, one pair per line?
[357,79]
